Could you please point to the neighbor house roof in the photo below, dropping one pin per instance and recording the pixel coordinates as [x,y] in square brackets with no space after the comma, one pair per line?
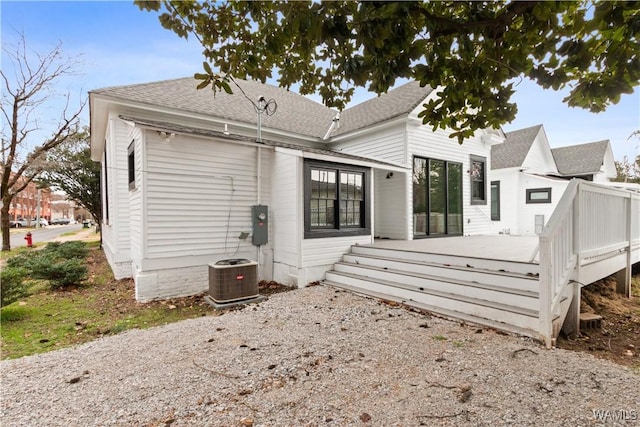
[513,151]
[397,102]
[295,113]
[580,159]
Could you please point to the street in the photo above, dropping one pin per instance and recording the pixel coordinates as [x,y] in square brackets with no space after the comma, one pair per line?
[41,234]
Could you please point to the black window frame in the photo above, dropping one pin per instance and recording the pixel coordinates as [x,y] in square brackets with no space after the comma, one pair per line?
[475,200]
[131,165]
[495,217]
[337,230]
[529,200]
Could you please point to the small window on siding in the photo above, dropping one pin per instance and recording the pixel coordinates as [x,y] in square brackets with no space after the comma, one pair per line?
[478,175]
[495,200]
[539,195]
[132,166]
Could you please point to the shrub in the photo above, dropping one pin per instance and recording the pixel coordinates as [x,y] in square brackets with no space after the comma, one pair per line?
[67,250]
[62,264]
[19,261]
[12,287]
[59,272]
[64,273]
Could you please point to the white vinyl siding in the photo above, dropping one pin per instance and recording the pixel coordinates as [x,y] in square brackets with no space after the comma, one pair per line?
[528,211]
[135,197]
[508,223]
[539,159]
[121,183]
[424,142]
[115,234]
[321,252]
[199,196]
[387,144]
[287,217]
[390,208]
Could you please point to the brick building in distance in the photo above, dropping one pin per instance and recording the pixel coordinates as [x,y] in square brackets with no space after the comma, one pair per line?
[25,204]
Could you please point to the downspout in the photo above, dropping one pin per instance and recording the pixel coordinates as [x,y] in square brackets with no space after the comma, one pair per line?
[259,199]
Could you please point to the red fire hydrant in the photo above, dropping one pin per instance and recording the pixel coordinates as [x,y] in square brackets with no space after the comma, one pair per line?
[29,239]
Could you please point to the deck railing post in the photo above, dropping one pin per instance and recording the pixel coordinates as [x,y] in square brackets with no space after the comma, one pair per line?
[577,229]
[546,285]
[624,276]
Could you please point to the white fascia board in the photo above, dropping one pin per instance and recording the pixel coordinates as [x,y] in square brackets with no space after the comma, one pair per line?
[354,162]
[289,151]
[340,159]
[98,120]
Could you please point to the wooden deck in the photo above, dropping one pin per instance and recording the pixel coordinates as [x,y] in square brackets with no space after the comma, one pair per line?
[527,285]
[497,247]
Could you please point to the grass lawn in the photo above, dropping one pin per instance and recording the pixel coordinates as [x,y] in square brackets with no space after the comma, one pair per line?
[48,320]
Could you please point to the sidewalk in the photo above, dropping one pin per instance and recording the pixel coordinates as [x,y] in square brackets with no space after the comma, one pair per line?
[84,235]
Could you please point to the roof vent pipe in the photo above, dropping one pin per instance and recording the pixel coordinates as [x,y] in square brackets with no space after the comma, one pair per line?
[334,123]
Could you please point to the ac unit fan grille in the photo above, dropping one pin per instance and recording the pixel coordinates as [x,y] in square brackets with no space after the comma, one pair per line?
[233,283]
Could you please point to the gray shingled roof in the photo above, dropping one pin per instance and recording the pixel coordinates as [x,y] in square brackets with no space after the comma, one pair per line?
[295,113]
[512,152]
[395,103]
[580,159]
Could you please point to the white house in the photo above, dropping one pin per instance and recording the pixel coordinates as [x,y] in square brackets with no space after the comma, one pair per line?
[528,178]
[182,169]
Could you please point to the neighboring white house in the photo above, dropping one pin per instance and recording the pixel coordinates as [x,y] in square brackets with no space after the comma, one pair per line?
[528,178]
[182,169]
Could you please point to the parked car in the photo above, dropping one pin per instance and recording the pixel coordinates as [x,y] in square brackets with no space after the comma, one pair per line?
[60,221]
[18,222]
[43,222]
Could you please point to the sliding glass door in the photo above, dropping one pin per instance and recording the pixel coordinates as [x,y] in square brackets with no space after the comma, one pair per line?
[437,197]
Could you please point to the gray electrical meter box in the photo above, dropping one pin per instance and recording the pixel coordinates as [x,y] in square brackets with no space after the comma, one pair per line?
[260,224]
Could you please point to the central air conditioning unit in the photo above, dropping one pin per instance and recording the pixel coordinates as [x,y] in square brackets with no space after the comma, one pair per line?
[233,280]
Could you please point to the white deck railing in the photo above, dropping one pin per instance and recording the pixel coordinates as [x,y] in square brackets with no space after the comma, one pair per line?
[590,221]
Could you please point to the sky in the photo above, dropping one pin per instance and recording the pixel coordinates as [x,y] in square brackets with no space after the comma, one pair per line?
[118,44]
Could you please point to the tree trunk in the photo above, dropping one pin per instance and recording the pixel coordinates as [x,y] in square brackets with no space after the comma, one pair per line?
[4,214]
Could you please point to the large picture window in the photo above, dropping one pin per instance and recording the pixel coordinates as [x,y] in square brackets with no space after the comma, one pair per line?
[478,173]
[336,201]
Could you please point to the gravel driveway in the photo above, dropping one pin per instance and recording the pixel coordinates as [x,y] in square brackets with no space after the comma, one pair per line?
[311,357]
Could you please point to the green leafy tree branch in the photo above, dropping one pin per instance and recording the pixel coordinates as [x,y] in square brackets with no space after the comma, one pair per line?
[473,52]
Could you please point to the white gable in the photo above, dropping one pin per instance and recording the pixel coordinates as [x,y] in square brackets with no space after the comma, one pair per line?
[539,159]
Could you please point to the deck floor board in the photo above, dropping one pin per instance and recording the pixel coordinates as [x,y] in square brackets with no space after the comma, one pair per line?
[499,247]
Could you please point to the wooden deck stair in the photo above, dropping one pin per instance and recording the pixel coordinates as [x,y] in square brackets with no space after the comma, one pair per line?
[493,293]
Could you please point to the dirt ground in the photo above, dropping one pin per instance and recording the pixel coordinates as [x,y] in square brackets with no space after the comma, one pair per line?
[118,295]
[618,339]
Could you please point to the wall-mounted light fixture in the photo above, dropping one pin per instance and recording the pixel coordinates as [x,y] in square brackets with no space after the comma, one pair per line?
[168,136]
[389,175]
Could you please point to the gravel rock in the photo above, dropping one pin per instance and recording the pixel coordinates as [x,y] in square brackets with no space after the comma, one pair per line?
[311,357]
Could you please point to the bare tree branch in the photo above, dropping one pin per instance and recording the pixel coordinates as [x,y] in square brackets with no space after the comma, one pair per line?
[34,77]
